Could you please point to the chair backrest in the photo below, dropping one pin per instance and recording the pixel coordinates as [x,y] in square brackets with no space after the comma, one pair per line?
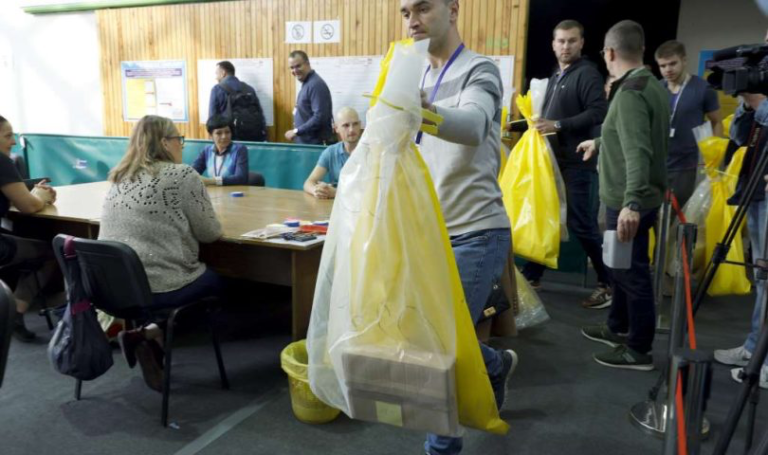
[113,276]
[7,313]
[255,179]
[21,165]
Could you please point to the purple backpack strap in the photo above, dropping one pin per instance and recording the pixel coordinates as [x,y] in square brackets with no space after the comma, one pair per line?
[69,247]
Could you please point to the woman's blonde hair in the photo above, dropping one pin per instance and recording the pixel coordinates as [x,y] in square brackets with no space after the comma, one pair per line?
[145,148]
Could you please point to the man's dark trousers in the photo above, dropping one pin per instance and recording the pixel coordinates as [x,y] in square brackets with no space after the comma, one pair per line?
[633,310]
[582,221]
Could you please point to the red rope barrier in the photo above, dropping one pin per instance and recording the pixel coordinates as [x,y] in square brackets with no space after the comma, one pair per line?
[682,437]
[676,206]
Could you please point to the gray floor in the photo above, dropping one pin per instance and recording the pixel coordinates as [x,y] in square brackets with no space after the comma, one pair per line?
[561,401]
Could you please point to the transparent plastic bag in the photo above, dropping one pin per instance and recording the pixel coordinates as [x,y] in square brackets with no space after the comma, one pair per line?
[712,150]
[390,336]
[531,311]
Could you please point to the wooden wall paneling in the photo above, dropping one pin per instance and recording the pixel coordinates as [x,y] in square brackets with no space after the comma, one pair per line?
[520,39]
[256,28]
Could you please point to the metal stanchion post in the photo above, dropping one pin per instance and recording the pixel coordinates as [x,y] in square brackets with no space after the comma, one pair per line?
[670,433]
[662,309]
[656,417]
[699,374]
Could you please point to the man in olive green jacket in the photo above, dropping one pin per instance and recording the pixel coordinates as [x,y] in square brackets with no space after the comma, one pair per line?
[632,156]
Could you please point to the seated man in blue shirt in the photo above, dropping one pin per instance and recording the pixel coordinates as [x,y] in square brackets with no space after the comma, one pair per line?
[223,162]
[348,126]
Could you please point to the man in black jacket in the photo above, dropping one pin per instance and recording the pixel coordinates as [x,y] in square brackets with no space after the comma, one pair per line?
[574,108]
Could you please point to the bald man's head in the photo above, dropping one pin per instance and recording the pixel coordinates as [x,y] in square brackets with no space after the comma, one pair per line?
[348,126]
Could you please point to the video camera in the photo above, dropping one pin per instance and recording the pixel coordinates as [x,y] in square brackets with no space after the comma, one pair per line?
[740,69]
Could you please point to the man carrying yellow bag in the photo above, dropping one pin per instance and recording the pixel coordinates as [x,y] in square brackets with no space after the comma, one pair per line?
[415,245]
[465,89]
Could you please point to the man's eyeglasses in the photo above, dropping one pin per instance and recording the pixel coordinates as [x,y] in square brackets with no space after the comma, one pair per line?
[180,138]
[604,51]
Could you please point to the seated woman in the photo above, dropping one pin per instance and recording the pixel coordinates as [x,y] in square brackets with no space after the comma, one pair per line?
[224,162]
[16,250]
[161,209]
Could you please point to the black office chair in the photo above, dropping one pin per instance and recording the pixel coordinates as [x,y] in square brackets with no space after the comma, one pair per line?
[7,312]
[255,179]
[116,283]
[21,165]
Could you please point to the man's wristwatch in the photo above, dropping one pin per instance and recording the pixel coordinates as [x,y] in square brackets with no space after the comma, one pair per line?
[634,206]
[558,126]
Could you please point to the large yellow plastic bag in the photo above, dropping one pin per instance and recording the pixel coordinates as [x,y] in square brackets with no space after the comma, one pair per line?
[531,310]
[712,150]
[531,195]
[390,336]
[729,279]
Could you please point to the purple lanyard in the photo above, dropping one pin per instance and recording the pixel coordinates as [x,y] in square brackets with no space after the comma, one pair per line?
[433,95]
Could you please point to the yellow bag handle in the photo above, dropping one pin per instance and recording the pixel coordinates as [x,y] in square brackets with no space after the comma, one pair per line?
[433,117]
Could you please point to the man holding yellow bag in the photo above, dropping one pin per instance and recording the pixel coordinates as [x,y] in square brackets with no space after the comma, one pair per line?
[463,160]
[633,151]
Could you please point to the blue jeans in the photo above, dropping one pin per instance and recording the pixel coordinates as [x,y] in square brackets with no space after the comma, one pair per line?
[756,214]
[480,258]
[633,308]
[582,222]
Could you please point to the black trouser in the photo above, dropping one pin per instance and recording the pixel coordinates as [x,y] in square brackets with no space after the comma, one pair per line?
[633,308]
[582,222]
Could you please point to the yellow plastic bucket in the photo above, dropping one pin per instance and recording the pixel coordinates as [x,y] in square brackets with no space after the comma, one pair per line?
[306,406]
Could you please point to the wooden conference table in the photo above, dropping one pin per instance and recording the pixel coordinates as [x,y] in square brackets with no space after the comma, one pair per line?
[78,212]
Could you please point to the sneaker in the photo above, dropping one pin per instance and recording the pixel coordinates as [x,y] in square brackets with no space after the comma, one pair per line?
[763,383]
[625,357]
[600,298]
[20,331]
[499,384]
[535,284]
[602,334]
[736,356]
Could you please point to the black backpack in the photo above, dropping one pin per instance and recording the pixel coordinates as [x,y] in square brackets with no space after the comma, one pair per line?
[79,347]
[244,108]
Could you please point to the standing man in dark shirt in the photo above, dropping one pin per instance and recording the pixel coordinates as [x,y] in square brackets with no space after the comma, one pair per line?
[313,113]
[691,99]
[237,100]
[225,73]
[574,107]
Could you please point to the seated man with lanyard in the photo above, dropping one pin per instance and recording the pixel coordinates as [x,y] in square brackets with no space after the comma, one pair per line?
[347,125]
[223,162]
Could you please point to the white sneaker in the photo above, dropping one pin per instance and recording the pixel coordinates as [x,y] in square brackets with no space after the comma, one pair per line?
[736,356]
[763,383]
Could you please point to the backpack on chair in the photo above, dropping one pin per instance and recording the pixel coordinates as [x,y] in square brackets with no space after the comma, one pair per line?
[79,347]
[244,108]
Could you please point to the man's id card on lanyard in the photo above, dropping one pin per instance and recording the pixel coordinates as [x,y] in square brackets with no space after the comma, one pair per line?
[675,102]
[433,95]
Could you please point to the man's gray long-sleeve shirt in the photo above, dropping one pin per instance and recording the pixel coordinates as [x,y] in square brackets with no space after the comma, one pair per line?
[464,159]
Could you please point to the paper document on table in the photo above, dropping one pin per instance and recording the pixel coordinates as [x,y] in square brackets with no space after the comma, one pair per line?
[272,231]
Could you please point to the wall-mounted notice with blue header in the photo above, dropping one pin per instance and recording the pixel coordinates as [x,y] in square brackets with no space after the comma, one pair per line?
[155,88]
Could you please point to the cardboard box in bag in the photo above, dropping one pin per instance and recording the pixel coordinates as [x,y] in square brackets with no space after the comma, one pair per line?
[410,389]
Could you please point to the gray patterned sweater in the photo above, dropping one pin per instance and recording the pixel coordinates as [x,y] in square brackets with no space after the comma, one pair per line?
[163,218]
